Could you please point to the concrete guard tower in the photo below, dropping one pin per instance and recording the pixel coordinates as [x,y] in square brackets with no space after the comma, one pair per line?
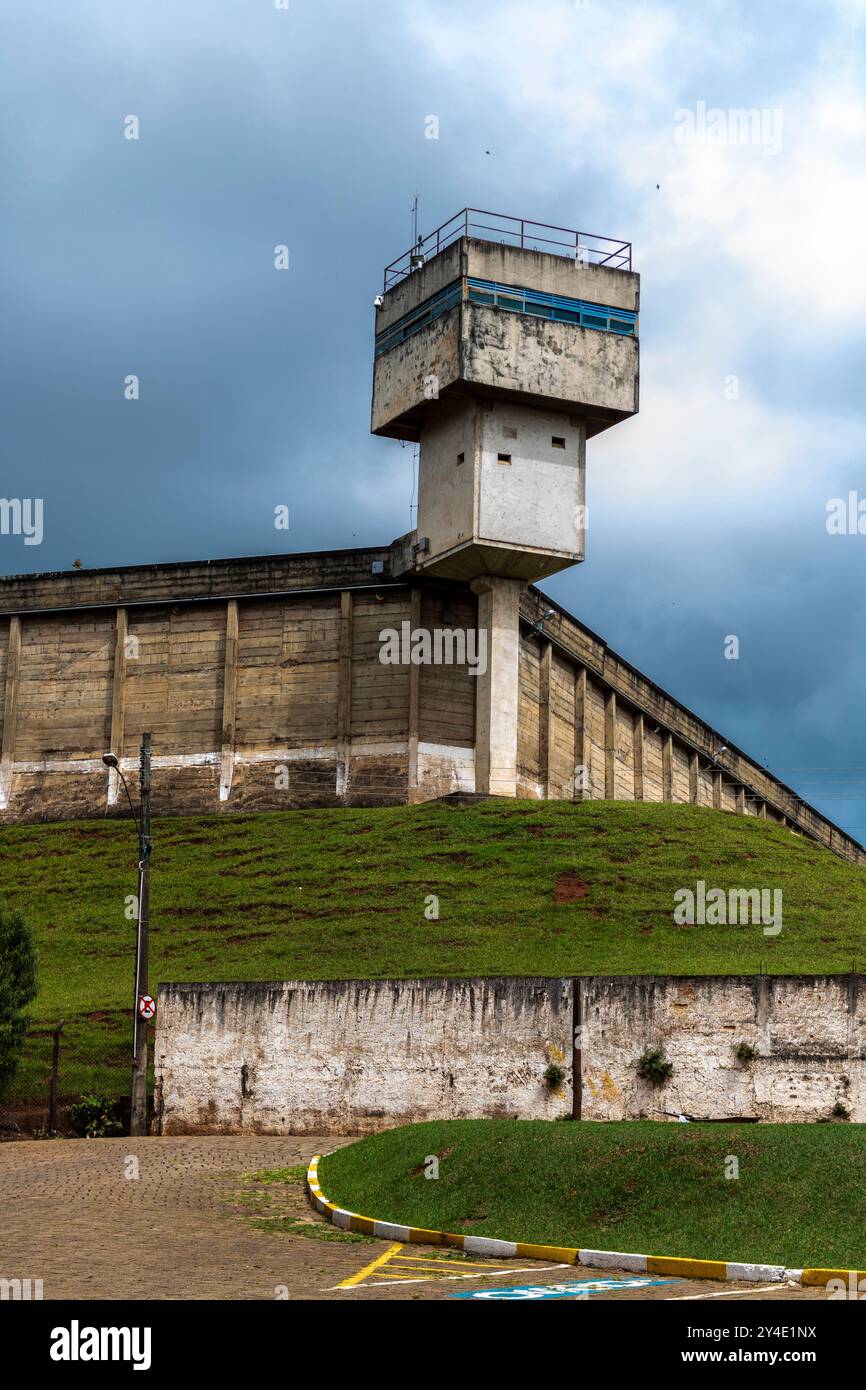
[501,346]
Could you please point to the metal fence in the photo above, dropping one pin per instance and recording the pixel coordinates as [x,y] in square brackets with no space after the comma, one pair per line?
[511,231]
[62,1061]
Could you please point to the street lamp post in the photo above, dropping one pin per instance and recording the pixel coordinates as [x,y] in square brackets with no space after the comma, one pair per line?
[138,1107]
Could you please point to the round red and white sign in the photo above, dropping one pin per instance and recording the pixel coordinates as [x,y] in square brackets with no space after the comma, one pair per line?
[146,1006]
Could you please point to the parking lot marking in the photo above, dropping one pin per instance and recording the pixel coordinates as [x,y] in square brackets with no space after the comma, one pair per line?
[575,1288]
[368,1269]
[393,1268]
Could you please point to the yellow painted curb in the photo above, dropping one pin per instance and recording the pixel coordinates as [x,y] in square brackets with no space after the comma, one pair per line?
[561,1253]
[816,1278]
[723,1270]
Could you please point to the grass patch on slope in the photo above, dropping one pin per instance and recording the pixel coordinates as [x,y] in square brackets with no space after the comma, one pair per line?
[639,1186]
[274,1200]
[524,888]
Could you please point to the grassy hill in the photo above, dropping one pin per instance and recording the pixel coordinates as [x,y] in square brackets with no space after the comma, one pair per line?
[523,888]
[635,1186]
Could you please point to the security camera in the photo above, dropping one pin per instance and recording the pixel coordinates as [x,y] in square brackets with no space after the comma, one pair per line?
[378,302]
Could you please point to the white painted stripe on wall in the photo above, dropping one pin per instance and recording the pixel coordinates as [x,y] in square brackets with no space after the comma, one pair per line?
[460,762]
[82,765]
[311,753]
[323,752]
[447,750]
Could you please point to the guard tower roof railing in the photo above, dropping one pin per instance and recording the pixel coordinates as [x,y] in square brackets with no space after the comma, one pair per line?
[511,231]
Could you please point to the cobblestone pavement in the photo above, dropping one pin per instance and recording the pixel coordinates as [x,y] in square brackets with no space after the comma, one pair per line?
[183,1228]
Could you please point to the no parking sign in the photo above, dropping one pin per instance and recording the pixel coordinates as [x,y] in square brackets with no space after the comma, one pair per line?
[146,1006]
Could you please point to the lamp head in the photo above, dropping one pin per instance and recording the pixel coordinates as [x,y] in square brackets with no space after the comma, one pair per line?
[110,760]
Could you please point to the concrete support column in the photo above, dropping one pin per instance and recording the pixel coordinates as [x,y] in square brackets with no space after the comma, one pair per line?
[496,691]
[610,746]
[582,790]
[230,691]
[414,696]
[118,700]
[717,790]
[667,767]
[545,719]
[10,710]
[637,756]
[344,695]
[694,779]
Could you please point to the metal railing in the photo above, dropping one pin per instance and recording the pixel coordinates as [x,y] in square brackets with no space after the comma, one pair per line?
[511,231]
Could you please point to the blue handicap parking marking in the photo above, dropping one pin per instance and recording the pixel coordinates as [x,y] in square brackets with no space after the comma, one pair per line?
[575,1288]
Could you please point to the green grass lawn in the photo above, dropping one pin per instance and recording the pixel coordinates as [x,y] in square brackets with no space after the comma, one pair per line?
[638,1186]
[341,893]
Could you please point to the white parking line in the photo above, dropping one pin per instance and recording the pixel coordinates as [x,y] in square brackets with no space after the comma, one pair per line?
[431,1278]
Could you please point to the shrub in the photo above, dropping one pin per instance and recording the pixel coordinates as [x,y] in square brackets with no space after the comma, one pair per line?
[17,988]
[95,1117]
[654,1067]
[553,1076]
[744,1053]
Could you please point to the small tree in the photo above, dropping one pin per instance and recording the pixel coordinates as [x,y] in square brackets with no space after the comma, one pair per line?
[17,988]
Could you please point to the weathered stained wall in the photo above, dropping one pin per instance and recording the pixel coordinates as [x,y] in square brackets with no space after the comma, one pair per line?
[808,1034]
[352,1056]
[510,265]
[501,353]
[256,699]
[583,707]
[517,356]
[261,683]
[355,1056]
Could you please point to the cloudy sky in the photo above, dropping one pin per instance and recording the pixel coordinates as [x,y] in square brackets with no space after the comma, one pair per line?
[305,123]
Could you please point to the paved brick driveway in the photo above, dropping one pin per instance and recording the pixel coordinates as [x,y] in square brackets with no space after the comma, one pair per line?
[71,1217]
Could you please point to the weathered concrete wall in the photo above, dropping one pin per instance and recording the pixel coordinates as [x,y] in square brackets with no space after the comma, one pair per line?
[808,1034]
[542,362]
[510,265]
[494,352]
[259,700]
[582,705]
[261,683]
[351,1057]
[552,274]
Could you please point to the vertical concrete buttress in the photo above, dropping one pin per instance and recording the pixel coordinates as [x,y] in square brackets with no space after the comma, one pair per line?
[496,696]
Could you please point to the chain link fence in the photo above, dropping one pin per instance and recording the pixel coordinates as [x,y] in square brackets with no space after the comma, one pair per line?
[61,1062]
